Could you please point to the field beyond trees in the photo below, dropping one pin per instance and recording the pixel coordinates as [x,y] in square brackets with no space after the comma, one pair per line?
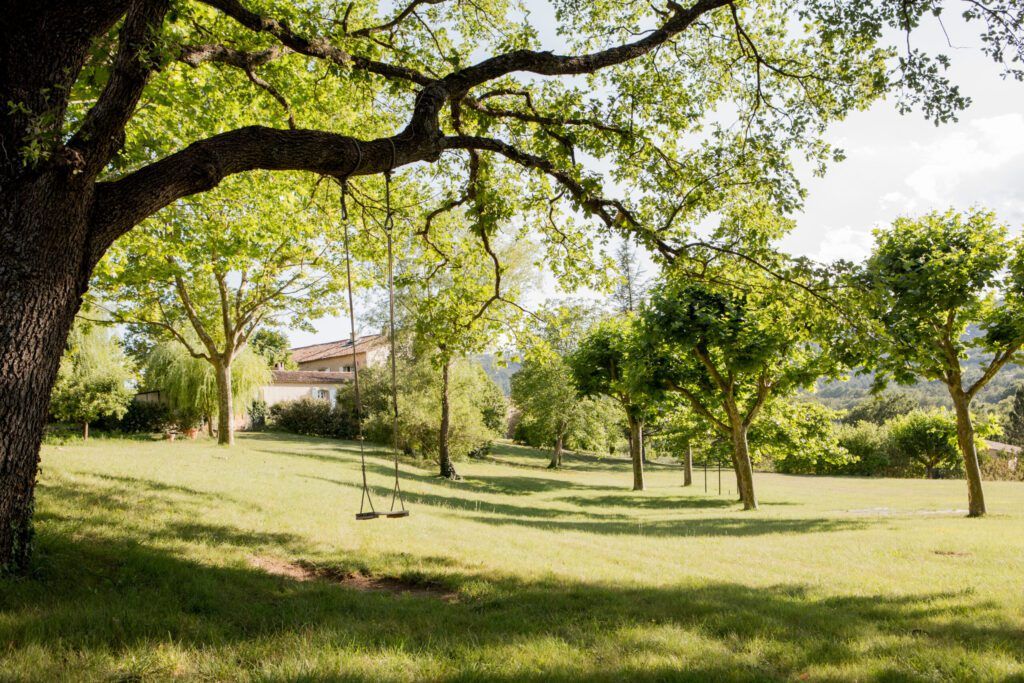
[162,560]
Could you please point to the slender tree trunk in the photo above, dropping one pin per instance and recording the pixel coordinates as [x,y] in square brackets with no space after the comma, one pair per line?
[556,455]
[44,269]
[225,409]
[688,466]
[965,439]
[744,468]
[636,436]
[209,425]
[443,454]
[85,431]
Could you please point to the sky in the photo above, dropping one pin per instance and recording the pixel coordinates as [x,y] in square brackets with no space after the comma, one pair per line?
[895,165]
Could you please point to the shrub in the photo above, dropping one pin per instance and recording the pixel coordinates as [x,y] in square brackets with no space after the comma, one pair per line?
[258,413]
[924,442]
[314,417]
[798,437]
[868,445]
[472,403]
[144,418]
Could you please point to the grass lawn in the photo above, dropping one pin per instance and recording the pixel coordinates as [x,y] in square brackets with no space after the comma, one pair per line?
[162,560]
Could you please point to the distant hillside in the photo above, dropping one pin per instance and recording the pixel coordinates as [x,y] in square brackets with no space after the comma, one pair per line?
[842,395]
[500,372]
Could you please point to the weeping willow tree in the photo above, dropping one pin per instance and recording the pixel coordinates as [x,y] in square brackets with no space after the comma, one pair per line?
[190,384]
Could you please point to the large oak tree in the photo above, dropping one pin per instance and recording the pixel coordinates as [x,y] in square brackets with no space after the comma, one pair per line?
[114,109]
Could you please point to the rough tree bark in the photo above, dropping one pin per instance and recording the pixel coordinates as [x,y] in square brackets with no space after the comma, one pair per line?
[965,439]
[636,435]
[688,466]
[443,455]
[44,269]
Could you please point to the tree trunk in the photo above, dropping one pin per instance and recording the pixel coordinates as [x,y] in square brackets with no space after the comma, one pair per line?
[225,409]
[85,431]
[688,466]
[209,425]
[443,455]
[556,455]
[636,436]
[965,439]
[44,269]
[744,469]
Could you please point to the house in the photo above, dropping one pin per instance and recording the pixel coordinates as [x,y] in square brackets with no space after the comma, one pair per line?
[336,356]
[1007,452]
[323,368]
[291,385]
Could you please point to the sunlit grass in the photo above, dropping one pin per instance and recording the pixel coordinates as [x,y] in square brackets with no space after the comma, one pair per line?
[144,571]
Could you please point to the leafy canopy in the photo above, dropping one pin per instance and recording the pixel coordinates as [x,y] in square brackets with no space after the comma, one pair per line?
[927,279]
[730,342]
[94,377]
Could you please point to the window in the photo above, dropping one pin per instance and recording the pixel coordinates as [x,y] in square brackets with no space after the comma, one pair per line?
[323,394]
[347,368]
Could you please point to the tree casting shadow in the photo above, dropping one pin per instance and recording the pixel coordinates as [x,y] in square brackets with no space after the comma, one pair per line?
[112,596]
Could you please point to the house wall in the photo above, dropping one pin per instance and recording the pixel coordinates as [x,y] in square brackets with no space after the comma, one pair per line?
[334,364]
[278,393]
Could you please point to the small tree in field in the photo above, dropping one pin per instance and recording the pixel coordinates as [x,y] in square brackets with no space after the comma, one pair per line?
[928,438]
[93,378]
[544,389]
[545,393]
[925,281]
[191,387]
[242,260]
[729,349]
[607,363]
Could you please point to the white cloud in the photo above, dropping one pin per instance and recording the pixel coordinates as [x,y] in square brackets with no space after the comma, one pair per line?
[848,243]
[979,163]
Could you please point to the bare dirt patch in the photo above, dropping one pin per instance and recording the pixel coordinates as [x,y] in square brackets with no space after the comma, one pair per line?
[304,570]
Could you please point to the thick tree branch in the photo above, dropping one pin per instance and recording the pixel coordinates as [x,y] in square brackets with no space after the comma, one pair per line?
[123,203]
[102,132]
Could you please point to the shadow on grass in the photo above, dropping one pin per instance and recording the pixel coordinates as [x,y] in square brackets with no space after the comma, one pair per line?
[627,500]
[641,502]
[112,598]
[383,495]
[612,523]
[703,526]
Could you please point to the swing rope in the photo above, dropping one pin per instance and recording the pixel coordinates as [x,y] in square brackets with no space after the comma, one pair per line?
[389,224]
[366,498]
[396,495]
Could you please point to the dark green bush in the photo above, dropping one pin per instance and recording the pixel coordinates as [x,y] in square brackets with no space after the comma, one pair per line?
[140,418]
[258,413]
[313,417]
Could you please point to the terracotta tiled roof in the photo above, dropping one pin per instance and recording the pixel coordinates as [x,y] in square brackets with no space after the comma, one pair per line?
[334,349]
[310,377]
